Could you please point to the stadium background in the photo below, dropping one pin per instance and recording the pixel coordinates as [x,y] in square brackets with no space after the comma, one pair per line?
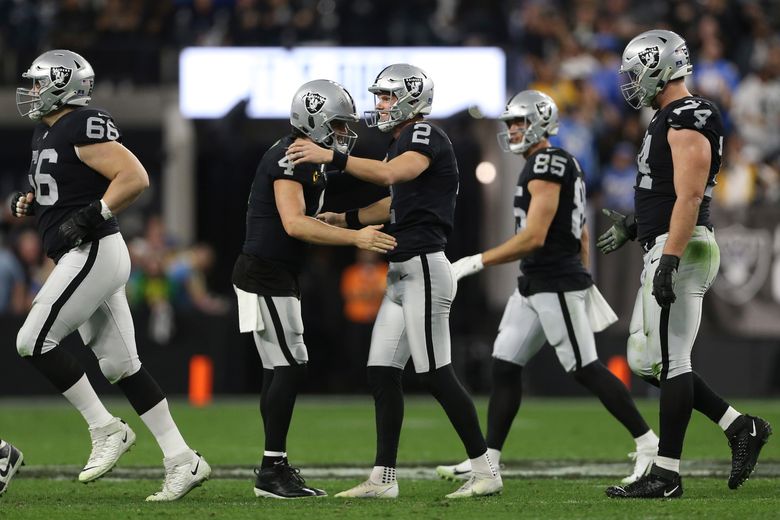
[186,231]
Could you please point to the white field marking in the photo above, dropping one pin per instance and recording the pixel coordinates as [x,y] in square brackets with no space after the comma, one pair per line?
[525,469]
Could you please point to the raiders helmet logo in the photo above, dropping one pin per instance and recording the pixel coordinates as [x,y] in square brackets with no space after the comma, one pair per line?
[60,76]
[649,57]
[545,110]
[314,102]
[414,85]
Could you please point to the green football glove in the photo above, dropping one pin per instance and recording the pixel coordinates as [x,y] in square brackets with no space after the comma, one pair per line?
[623,229]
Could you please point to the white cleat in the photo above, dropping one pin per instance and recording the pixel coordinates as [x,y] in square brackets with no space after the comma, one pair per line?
[479,485]
[11,459]
[643,460]
[109,442]
[369,489]
[182,474]
[457,472]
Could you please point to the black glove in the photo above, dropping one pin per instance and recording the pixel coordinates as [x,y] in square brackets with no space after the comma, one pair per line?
[80,224]
[664,279]
[29,207]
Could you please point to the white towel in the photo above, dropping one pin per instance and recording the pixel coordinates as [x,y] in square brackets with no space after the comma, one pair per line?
[600,314]
[250,319]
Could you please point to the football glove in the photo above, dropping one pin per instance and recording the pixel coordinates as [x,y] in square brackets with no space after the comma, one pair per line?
[664,279]
[80,224]
[623,229]
[467,265]
[20,207]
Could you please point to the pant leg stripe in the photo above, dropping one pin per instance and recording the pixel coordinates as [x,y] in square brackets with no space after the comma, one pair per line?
[428,318]
[570,330]
[65,296]
[664,339]
[279,331]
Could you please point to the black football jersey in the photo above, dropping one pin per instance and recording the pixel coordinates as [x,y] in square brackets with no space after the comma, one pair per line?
[280,256]
[556,266]
[61,182]
[654,195]
[423,209]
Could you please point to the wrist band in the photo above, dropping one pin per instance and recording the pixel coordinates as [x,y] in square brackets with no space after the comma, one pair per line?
[339,160]
[351,216]
[105,211]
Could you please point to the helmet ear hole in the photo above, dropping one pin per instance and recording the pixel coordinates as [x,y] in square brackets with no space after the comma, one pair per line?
[311,122]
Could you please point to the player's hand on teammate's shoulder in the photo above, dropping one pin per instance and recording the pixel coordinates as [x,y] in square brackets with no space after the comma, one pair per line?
[306,151]
[617,235]
[372,239]
[23,204]
[334,219]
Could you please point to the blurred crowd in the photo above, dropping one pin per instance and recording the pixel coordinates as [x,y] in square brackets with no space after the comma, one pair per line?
[567,48]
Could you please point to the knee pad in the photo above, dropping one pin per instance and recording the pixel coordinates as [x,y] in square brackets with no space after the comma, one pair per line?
[638,356]
[116,369]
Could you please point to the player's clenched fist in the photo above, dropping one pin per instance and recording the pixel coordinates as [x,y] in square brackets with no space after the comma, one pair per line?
[23,204]
[372,239]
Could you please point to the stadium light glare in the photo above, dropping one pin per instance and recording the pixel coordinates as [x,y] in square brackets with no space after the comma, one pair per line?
[486,172]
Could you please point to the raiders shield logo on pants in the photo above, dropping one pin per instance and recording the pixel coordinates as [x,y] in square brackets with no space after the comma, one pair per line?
[661,340]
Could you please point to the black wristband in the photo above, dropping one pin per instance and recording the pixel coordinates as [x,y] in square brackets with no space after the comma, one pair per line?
[339,160]
[631,226]
[351,216]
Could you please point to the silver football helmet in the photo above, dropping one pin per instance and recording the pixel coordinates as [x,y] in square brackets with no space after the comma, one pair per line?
[650,61]
[316,105]
[60,77]
[413,89]
[540,114]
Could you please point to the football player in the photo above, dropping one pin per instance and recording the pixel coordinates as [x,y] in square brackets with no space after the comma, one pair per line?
[555,291]
[678,161]
[10,461]
[413,320]
[283,202]
[80,177]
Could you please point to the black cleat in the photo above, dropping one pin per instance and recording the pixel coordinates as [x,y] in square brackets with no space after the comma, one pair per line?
[746,440]
[659,483]
[10,461]
[283,481]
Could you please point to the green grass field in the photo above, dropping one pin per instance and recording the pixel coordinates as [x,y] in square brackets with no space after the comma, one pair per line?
[339,433]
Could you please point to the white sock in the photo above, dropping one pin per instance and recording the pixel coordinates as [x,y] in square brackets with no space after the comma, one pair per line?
[165,431]
[495,456]
[647,441]
[83,397]
[667,463]
[382,475]
[729,417]
[483,465]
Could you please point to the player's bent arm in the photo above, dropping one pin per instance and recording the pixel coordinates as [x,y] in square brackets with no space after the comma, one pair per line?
[376,213]
[691,159]
[585,247]
[292,209]
[120,166]
[544,204]
[404,168]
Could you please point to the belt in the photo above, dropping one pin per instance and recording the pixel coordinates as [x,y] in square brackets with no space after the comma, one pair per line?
[649,244]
